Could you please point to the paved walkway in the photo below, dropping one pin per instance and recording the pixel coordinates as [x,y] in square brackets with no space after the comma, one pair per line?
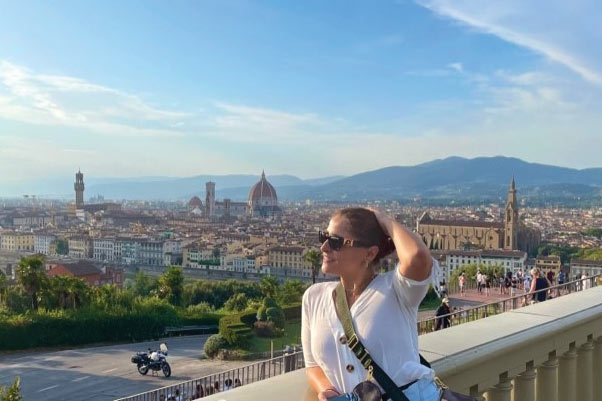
[471,298]
[482,298]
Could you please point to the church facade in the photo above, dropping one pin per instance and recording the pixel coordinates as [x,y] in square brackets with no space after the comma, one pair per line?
[509,234]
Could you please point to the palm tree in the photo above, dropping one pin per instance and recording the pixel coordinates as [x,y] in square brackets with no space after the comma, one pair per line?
[59,288]
[32,277]
[314,259]
[77,290]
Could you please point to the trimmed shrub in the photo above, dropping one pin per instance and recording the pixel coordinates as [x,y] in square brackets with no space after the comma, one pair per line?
[276,315]
[213,345]
[270,303]
[261,314]
[236,328]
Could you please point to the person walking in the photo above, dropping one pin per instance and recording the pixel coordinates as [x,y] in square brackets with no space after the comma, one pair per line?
[462,282]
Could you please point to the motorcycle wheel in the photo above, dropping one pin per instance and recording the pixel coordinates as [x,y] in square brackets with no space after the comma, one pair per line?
[142,369]
[166,369]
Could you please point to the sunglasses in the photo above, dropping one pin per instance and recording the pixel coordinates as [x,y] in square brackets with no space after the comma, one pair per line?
[336,243]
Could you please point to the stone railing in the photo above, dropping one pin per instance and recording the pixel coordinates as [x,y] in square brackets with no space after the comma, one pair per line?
[550,351]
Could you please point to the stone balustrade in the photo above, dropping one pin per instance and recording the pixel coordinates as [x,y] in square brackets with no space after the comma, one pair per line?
[550,351]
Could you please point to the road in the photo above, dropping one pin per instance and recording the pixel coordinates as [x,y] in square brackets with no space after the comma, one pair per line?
[104,373]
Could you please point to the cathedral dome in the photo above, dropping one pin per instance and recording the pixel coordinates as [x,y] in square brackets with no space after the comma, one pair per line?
[195,202]
[263,193]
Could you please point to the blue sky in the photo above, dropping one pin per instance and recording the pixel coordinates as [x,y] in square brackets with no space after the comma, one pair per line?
[311,88]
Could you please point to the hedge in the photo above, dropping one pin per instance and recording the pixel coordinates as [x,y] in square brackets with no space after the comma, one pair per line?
[86,326]
[187,318]
[292,311]
[236,328]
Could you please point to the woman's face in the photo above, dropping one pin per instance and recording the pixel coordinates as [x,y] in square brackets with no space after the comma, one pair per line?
[347,260]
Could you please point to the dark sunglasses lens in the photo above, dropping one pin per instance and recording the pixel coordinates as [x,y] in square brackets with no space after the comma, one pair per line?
[335,243]
[322,237]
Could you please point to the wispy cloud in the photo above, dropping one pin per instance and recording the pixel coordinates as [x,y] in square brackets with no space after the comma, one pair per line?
[44,99]
[529,24]
[456,66]
[242,123]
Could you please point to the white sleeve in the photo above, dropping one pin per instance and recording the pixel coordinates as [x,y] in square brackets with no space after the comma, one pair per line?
[411,292]
[306,331]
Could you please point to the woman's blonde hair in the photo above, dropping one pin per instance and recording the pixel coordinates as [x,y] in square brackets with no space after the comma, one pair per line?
[535,271]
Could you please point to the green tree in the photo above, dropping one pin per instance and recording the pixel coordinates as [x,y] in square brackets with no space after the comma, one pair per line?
[74,292]
[236,303]
[17,301]
[32,277]
[291,292]
[314,259]
[171,285]
[62,246]
[269,286]
[590,254]
[12,393]
[142,284]
[595,232]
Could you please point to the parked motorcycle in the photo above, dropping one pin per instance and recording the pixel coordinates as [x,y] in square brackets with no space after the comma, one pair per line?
[152,360]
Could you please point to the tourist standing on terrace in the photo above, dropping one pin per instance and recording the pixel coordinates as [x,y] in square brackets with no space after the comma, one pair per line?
[540,282]
[383,307]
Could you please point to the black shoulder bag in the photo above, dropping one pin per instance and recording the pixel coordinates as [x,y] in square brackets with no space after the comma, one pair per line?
[393,392]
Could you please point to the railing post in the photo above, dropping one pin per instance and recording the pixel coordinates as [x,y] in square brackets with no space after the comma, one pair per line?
[524,384]
[585,365]
[567,388]
[597,369]
[501,391]
[547,379]
[474,392]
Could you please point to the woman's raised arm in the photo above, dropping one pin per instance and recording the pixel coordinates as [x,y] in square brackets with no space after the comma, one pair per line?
[415,260]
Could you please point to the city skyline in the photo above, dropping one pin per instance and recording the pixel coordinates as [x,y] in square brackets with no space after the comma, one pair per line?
[231,87]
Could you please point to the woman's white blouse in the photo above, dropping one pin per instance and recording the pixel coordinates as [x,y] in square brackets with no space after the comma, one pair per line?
[385,319]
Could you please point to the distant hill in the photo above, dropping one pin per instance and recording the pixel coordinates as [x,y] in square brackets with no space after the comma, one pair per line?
[453,178]
[457,177]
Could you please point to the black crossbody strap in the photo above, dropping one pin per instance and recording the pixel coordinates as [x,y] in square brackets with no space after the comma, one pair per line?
[361,352]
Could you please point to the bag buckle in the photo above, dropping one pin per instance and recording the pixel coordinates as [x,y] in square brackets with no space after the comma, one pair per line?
[440,384]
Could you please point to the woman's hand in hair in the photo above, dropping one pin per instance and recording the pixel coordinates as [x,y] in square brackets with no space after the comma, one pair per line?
[415,260]
[386,222]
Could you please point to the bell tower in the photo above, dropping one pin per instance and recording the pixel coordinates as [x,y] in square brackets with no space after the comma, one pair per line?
[209,199]
[511,220]
[79,189]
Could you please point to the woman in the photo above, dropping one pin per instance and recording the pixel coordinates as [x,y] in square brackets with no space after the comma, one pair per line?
[539,283]
[383,307]
[443,315]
